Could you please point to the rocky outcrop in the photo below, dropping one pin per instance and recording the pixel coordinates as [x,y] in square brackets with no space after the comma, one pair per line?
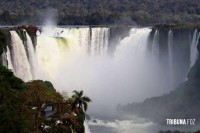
[194,73]
[116,34]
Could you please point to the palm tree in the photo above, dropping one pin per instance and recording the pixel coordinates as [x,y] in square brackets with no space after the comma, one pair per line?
[80,100]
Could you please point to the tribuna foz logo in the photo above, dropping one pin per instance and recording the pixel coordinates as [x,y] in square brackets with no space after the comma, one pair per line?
[180,121]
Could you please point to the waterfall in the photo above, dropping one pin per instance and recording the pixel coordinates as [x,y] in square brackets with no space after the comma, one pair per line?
[53,47]
[49,55]
[77,58]
[193,47]
[67,44]
[155,45]
[106,40]
[77,38]
[62,61]
[135,44]
[99,41]
[20,61]
[84,39]
[3,58]
[82,53]
[32,56]
[170,56]
[8,57]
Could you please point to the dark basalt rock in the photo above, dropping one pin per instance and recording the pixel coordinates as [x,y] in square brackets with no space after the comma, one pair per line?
[116,34]
[177,26]
[31,30]
[194,73]
[4,42]
[5,37]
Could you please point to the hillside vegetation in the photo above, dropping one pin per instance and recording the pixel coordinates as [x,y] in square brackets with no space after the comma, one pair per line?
[96,12]
[36,107]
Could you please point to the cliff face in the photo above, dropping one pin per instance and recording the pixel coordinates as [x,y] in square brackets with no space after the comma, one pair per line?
[180,49]
[117,33]
[194,73]
[183,102]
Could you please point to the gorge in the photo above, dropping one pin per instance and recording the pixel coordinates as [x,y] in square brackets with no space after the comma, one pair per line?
[113,65]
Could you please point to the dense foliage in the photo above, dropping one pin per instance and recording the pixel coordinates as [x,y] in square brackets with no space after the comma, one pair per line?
[23,107]
[100,12]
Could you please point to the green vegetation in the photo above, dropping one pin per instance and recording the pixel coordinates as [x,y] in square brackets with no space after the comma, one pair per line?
[95,12]
[23,107]
[80,100]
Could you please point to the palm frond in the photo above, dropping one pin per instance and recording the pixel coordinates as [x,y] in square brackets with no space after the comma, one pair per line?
[85,106]
[76,93]
[81,93]
[86,99]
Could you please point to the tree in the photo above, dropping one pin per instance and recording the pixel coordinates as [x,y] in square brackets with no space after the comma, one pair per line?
[11,104]
[22,106]
[40,94]
[80,100]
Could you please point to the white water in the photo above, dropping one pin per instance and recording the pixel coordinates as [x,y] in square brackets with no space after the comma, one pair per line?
[20,61]
[3,58]
[32,56]
[136,125]
[74,58]
[155,46]
[193,47]
[54,51]
[8,57]
[170,56]
[66,59]
[99,41]
[135,45]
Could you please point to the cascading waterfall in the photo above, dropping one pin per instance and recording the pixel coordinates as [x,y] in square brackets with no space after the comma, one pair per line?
[49,55]
[99,41]
[155,45]
[68,43]
[134,54]
[77,38]
[3,58]
[170,56]
[135,43]
[63,62]
[193,47]
[82,54]
[81,51]
[21,64]
[8,57]
[32,56]
[76,58]
[54,50]
[84,39]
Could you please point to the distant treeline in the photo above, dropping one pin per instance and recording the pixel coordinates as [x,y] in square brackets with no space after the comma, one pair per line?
[96,12]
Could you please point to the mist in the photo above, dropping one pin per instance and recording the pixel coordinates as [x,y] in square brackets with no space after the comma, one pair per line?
[131,73]
[49,21]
